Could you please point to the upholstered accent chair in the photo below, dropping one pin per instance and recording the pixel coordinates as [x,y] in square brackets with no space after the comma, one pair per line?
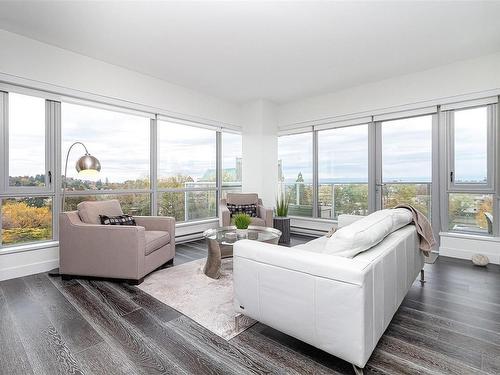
[88,248]
[264,215]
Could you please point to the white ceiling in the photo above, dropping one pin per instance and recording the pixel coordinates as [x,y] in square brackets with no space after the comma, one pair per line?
[279,51]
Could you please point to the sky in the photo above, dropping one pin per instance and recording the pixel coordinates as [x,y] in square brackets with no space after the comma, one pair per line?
[120,141]
[406,151]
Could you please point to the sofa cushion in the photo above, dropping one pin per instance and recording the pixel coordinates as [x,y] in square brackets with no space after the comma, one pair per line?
[367,232]
[89,211]
[242,198]
[155,239]
[258,222]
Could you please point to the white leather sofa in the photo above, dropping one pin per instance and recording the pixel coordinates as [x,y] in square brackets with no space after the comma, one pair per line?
[340,305]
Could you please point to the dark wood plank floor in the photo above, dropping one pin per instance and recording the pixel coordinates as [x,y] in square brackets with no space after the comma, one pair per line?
[451,325]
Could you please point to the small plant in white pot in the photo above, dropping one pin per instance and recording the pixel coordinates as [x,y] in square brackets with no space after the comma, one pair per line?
[281,220]
[242,221]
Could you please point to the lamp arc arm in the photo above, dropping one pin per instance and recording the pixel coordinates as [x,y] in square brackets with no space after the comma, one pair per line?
[65,182]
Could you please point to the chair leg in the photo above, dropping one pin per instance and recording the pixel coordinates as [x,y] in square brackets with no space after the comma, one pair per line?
[66,277]
[422,276]
[357,370]
[135,282]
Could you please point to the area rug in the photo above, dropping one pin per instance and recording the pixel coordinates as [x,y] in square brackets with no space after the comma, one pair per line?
[209,302]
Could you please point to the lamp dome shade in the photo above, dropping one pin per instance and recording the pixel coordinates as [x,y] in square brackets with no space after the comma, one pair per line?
[88,165]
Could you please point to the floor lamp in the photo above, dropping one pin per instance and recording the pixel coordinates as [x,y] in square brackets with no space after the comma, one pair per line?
[87,165]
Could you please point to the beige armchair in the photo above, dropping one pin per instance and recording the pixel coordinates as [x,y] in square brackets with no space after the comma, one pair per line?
[88,248]
[264,215]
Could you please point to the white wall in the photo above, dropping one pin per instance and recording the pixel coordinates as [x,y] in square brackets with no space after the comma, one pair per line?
[260,149]
[446,81]
[30,59]
[24,263]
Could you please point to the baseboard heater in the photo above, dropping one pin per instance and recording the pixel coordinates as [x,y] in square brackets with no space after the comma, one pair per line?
[189,237]
[307,231]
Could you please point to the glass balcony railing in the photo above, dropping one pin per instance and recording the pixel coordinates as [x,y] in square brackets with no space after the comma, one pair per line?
[339,198]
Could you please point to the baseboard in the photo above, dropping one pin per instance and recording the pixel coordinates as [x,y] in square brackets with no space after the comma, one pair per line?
[466,254]
[28,269]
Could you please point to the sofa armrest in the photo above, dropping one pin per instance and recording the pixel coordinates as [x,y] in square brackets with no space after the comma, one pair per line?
[322,265]
[266,214]
[224,216]
[345,219]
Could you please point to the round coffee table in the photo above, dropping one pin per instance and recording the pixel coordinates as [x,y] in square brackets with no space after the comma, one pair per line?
[220,244]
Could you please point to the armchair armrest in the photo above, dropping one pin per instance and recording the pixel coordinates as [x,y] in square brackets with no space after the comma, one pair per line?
[163,223]
[322,265]
[224,215]
[266,214]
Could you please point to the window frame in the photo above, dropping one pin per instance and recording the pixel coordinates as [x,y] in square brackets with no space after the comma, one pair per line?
[218,167]
[48,154]
[314,172]
[318,130]
[492,186]
[51,118]
[449,121]
[379,183]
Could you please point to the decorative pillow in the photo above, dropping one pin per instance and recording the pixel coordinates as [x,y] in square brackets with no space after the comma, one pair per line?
[367,232]
[117,220]
[249,209]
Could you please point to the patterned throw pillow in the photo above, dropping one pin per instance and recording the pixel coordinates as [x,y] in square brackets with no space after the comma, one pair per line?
[249,209]
[117,220]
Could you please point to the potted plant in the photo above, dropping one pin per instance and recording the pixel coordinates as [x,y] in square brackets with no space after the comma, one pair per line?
[281,220]
[242,221]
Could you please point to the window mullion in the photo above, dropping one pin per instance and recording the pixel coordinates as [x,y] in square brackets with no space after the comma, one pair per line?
[315,187]
[218,170]
[435,178]
[4,141]
[52,153]
[153,161]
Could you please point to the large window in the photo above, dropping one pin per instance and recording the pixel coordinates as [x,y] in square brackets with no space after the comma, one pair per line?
[471,169]
[121,143]
[295,172]
[470,145]
[119,140]
[26,219]
[186,171]
[407,163]
[151,165]
[343,171]
[26,197]
[27,129]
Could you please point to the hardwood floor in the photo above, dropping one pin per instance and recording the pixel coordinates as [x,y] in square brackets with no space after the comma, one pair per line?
[451,325]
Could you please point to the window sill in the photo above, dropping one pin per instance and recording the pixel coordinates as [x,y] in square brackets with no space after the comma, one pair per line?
[470,236]
[28,247]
